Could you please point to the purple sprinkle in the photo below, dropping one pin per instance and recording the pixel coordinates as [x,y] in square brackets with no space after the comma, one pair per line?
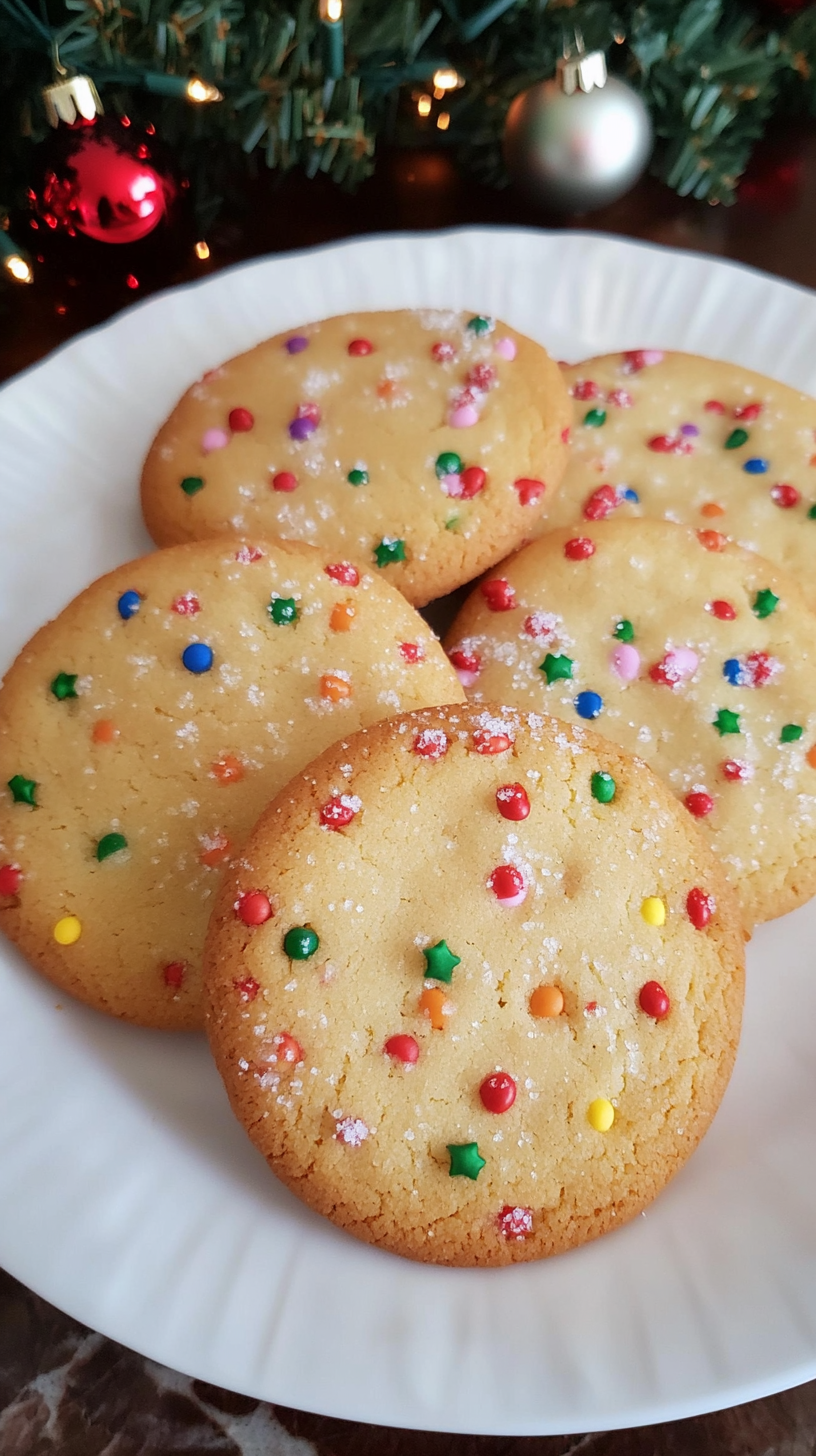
[689,430]
[296,344]
[302,427]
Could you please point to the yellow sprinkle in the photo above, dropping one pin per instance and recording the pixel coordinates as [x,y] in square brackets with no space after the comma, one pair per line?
[653,910]
[601,1114]
[67,930]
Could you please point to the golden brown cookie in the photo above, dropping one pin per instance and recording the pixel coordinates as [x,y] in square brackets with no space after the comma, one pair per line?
[489,1014]
[143,730]
[422,445]
[697,441]
[696,655]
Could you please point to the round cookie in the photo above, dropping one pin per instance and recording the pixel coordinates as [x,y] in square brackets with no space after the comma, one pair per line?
[490,1015]
[420,444]
[697,441]
[692,653]
[143,730]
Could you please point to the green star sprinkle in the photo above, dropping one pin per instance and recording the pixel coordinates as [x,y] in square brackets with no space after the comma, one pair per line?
[791,733]
[283,610]
[448,463]
[110,844]
[440,962]
[391,548]
[736,439]
[480,324]
[812,513]
[465,1161]
[595,418]
[726,722]
[23,790]
[603,787]
[624,631]
[191,484]
[357,477]
[765,603]
[300,943]
[64,685]
[554,667]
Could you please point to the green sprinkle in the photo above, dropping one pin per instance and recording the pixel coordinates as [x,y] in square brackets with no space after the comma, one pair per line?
[595,417]
[23,790]
[283,610]
[726,722]
[191,484]
[554,667]
[452,523]
[440,962]
[448,463]
[465,1160]
[765,603]
[736,439]
[791,733]
[603,788]
[64,685]
[812,513]
[624,631]
[300,943]
[481,324]
[110,844]
[357,477]
[391,548]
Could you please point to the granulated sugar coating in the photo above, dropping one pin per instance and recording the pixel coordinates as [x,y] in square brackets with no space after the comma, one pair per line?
[468,1035]
[143,730]
[424,445]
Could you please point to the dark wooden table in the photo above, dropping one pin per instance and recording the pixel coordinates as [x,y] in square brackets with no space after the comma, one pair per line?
[65,1391]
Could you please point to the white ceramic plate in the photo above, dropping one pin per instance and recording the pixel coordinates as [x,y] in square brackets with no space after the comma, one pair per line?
[130,1198]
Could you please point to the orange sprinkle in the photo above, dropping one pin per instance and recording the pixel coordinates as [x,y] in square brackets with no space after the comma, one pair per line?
[343,614]
[387,388]
[104,731]
[813,460]
[811,756]
[546,1001]
[431,1003]
[228,770]
[712,540]
[712,509]
[215,849]
[334,688]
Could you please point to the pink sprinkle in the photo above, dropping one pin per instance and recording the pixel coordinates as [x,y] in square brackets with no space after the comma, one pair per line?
[505,348]
[247,554]
[621,397]
[625,661]
[463,417]
[451,485]
[214,440]
[466,678]
[187,605]
[515,1223]
[684,661]
[352,1131]
[637,359]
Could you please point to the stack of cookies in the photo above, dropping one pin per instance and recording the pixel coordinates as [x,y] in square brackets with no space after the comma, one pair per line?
[471,969]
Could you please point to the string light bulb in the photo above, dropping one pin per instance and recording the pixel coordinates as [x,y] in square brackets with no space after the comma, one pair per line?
[447,79]
[443,120]
[424,106]
[18,268]
[202,91]
[202,250]
[331,10]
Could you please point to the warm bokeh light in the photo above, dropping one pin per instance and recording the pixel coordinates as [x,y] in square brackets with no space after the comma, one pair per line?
[18,268]
[202,250]
[447,79]
[331,10]
[199,91]
[424,105]
[443,120]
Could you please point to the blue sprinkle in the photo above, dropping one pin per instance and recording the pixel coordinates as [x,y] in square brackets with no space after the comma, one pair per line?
[129,604]
[732,669]
[756,465]
[588,704]
[628,494]
[198,657]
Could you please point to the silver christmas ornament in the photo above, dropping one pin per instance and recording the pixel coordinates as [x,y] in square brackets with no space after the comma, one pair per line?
[578,141]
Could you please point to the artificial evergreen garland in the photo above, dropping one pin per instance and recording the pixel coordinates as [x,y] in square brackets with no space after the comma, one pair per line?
[712,73]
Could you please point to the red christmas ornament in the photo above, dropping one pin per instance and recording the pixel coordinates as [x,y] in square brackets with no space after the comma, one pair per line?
[102,182]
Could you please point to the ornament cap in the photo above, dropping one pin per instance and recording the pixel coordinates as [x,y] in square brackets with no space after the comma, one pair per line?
[581,70]
[71,99]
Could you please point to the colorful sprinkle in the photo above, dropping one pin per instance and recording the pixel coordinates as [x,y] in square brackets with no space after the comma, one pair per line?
[547,1002]
[284,1049]
[342,616]
[11,878]
[624,631]
[711,510]
[352,1131]
[714,407]
[765,603]
[467,666]
[173,974]
[621,398]
[128,605]
[473,480]
[440,962]
[253,907]
[541,625]
[412,652]
[699,907]
[487,742]
[625,662]
[726,722]
[305,422]
[338,812]
[198,657]
[228,769]
[601,1114]
[247,554]
[498,1092]
[791,733]
[448,463]
[699,803]
[403,1049]
[654,1000]
[241,420]
[812,513]
[735,771]
[556,666]
[67,930]
[300,943]
[515,1222]
[585,389]
[432,1003]
[296,344]
[506,349]
[507,884]
[580,548]
[529,490]
[343,572]
[653,910]
[712,540]
[334,688]
[749,412]
[390,549]
[603,787]
[214,440]
[480,324]
[756,466]
[283,611]
[810,757]
[104,731]
[110,844]
[465,1160]
[588,704]
[247,988]
[723,611]
[64,685]
[499,594]
[23,790]
[359,348]
[443,351]
[357,477]
[675,667]
[690,431]
[463,416]
[601,503]
[284,481]
[637,359]
[481,377]
[670,445]
[512,802]
[785,496]
[595,418]
[191,484]
[736,439]
[431,743]
[187,605]
[215,848]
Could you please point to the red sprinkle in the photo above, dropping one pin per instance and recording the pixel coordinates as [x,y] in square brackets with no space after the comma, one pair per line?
[358,348]
[540,625]
[11,878]
[403,1048]
[486,742]
[247,988]
[621,397]
[735,771]
[637,359]
[335,814]
[344,572]
[412,651]
[499,594]
[515,1223]
[566,435]
[714,407]
[186,606]
[512,802]
[241,420]
[712,540]
[284,480]
[699,907]
[173,974]
[465,661]
[670,445]
[498,1092]
[431,743]
[247,554]
[253,907]
[506,882]
[591,1007]
[286,1049]
[482,377]
[580,548]
[529,490]
[586,389]
[472,480]
[722,610]
[443,352]
[601,503]
[760,667]
[786,496]
[748,412]
[654,1000]
[699,803]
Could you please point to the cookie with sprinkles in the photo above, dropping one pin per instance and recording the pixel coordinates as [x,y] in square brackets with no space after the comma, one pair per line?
[143,730]
[519,1001]
[696,655]
[423,445]
[698,441]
